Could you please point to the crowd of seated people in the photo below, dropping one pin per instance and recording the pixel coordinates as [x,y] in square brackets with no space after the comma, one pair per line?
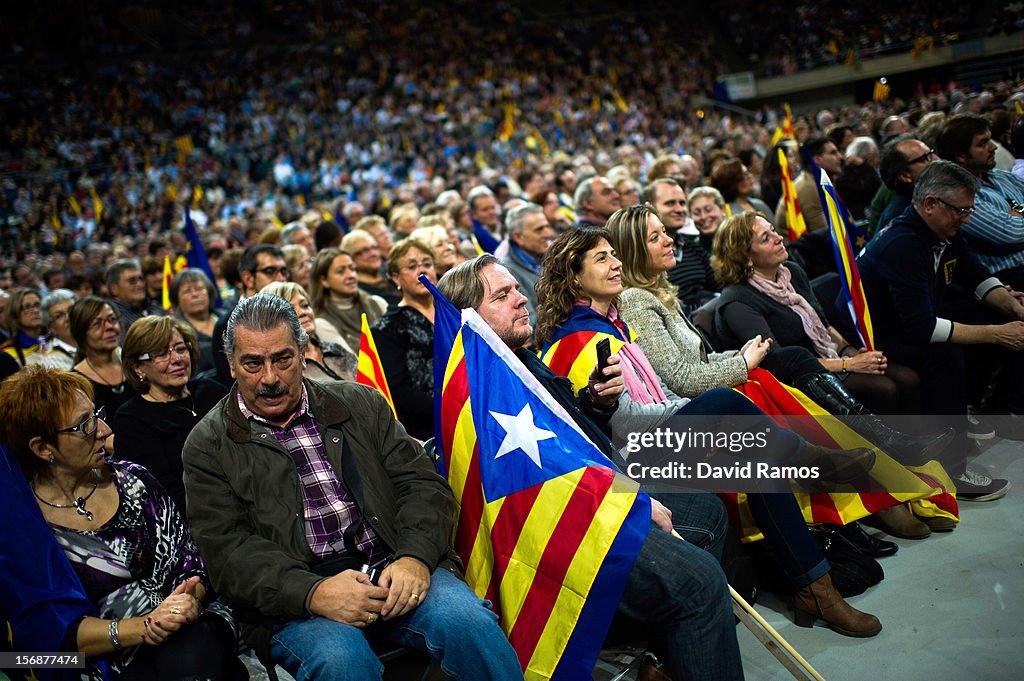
[335,192]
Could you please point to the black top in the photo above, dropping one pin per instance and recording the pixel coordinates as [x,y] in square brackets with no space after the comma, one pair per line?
[110,397]
[153,434]
[693,274]
[745,312]
[405,343]
[905,284]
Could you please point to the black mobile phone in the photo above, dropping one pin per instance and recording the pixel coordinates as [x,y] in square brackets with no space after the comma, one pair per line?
[604,351]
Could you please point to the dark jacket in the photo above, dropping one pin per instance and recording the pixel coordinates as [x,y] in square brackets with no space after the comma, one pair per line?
[906,283]
[744,312]
[245,502]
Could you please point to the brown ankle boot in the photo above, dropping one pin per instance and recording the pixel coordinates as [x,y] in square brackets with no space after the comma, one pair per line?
[820,599]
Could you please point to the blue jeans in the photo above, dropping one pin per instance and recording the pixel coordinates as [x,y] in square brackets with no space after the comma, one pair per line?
[452,625]
[681,590]
[699,518]
[789,542]
[778,515]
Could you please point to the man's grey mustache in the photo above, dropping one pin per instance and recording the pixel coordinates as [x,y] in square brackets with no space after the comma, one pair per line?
[275,390]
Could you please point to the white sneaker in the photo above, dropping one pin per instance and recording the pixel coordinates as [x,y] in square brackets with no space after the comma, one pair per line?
[978,429]
[974,486]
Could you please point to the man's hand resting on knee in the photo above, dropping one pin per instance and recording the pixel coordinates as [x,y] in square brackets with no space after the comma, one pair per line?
[348,597]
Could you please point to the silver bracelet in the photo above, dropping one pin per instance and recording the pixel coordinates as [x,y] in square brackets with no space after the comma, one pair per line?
[112,631]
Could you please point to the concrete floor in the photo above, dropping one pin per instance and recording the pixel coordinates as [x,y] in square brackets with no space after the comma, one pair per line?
[951,606]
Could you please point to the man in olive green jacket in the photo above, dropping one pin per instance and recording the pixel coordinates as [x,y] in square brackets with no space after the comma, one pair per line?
[292,486]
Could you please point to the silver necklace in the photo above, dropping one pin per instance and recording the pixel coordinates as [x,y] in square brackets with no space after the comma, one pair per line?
[116,389]
[78,504]
[190,396]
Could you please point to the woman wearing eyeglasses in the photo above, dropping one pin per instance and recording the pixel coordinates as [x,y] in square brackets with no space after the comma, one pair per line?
[121,533]
[337,300]
[24,324]
[368,263]
[405,337]
[96,328]
[160,358]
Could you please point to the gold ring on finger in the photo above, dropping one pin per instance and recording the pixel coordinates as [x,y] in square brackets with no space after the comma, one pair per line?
[371,618]
[414,596]
[175,611]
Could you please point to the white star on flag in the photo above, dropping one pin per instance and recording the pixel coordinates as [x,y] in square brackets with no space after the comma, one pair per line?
[521,433]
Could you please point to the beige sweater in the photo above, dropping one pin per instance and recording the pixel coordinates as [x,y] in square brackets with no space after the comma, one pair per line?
[674,348]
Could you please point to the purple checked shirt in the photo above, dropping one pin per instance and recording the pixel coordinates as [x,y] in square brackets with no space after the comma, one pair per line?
[327,505]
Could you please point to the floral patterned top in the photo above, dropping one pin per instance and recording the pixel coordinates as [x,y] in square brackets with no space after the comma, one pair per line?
[131,563]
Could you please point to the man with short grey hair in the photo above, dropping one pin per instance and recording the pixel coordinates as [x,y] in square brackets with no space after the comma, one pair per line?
[319,516]
[483,206]
[298,233]
[595,201]
[908,272]
[530,235]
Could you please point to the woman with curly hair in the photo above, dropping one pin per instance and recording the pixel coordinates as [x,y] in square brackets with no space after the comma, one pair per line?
[578,296]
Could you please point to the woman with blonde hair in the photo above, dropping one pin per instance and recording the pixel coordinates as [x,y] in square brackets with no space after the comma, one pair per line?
[325,361]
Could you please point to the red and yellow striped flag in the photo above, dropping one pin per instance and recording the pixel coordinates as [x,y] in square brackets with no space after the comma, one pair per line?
[794,216]
[928,488]
[168,276]
[547,529]
[369,370]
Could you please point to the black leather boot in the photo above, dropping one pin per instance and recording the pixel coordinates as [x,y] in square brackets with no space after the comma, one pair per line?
[826,389]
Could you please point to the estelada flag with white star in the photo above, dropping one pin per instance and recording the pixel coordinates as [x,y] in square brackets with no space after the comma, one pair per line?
[546,526]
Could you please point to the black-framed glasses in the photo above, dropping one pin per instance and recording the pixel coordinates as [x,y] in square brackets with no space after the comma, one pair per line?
[99,322]
[89,425]
[964,212]
[164,354]
[270,271]
[926,156]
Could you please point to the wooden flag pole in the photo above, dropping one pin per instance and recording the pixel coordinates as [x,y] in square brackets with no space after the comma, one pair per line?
[793,661]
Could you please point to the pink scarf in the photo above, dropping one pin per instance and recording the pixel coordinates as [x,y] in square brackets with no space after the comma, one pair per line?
[638,375]
[781,291]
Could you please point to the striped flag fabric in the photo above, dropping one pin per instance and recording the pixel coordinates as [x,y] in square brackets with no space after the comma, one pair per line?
[546,527]
[787,124]
[168,276]
[891,483]
[794,215]
[369,370]
[840,227]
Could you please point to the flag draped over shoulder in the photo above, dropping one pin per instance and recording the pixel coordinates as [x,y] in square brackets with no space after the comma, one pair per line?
[447,322]
[369,370]
[40,594]
[928,488]
[195,255]
[572,350]
[794,215]
[547,529]
[840,227]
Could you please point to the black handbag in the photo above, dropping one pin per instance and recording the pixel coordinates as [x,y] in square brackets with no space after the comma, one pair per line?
[852,572]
